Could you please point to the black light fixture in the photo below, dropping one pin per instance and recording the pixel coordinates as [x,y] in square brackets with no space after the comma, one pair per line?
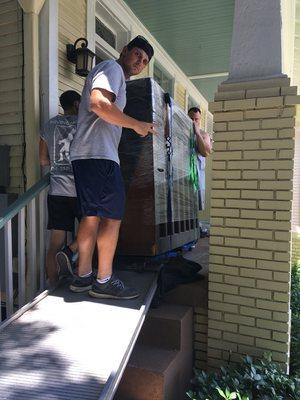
[81,56]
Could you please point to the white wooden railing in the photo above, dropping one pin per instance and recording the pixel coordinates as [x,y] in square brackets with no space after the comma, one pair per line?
[29,265]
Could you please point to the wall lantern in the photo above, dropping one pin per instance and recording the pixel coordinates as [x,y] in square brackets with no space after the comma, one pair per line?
[81,56]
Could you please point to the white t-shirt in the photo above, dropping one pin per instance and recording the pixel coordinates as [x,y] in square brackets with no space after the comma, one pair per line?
[96,138]
[201,177]
[58,133]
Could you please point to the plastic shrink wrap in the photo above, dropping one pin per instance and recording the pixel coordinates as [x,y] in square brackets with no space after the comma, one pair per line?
[161,204]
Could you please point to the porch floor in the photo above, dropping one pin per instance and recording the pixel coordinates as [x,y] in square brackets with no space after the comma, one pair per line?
[200,254]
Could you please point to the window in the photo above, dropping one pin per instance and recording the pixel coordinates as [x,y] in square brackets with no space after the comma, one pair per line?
[163,79]
[111,34]
[105,33]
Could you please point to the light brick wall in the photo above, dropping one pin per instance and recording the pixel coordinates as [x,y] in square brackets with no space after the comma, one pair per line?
[249,276]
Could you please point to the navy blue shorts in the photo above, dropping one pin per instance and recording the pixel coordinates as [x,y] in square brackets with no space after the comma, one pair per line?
[62,211]
[100,188]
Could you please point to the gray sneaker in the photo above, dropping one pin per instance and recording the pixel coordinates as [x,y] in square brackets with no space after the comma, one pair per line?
[113,289]
[65,260]
[82,284]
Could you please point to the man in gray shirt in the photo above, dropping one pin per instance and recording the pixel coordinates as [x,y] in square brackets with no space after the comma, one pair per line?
[95,161]
[55,140]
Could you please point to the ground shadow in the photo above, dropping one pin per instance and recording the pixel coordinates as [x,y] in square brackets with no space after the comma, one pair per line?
[31,371]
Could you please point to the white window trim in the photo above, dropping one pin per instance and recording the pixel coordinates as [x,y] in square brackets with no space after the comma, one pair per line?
[105,48]
[119,26]
[91,24]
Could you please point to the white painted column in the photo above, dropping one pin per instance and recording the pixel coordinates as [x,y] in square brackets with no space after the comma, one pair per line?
[256,51]
[48,29]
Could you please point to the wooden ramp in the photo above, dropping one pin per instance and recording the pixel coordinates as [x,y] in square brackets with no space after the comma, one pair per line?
[72,347]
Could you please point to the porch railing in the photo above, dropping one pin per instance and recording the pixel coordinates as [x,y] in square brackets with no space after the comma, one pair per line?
[29,265]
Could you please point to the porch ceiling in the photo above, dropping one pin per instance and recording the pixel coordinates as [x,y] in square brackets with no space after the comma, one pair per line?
[195,33]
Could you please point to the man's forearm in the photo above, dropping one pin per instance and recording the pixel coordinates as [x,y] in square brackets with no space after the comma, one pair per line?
[200,145]
[110,113]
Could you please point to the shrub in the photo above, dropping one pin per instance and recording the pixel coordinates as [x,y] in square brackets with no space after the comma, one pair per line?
[295,331]
[262,380]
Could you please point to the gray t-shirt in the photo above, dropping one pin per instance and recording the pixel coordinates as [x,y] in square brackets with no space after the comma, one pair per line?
[96,138]
[58,133]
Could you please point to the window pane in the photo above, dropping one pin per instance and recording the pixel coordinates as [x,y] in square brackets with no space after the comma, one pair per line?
[164,81]
[157,75]
[105,33]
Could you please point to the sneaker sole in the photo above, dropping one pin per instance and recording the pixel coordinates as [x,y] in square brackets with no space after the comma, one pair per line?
[109,296]
[63,262]
[77,289]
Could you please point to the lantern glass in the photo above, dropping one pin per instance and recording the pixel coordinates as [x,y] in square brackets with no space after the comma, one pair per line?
[80,61]
[84,62]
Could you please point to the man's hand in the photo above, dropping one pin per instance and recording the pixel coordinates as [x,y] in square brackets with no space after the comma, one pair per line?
[143,128]
[102,104]
[203,141]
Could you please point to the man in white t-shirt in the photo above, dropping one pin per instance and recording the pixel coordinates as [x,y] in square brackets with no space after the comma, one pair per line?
[55,139]
[95,161]
[203,148]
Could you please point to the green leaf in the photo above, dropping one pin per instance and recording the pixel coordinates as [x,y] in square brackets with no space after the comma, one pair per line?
[249,359]
[221,393]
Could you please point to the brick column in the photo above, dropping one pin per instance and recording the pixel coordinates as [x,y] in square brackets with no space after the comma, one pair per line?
[249,275]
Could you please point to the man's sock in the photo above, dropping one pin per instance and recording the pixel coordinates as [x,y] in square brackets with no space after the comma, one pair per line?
[85,275]
[104,280]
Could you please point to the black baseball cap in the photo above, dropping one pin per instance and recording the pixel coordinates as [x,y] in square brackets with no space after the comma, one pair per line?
[142,43]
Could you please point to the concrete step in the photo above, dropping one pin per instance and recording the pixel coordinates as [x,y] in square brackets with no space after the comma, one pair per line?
[193,294]
[160,367]
[169,326]
[155,374]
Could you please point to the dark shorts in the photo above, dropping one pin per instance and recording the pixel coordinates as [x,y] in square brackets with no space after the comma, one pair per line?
[62,211]
[100,188]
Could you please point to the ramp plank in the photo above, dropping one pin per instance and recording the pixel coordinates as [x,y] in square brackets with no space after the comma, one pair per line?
[70,346]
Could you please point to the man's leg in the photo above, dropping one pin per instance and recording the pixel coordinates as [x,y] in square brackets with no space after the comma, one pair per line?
[57,239]
[107,240]
[74,246]
[86,240]
[66,258]
[108,285]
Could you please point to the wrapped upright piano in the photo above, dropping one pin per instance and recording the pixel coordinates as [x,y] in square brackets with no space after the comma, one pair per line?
[161,204]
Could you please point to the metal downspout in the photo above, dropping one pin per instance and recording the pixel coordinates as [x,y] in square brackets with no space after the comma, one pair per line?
[31,9]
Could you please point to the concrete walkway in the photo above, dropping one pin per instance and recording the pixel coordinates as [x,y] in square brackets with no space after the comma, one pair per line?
[200,254]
